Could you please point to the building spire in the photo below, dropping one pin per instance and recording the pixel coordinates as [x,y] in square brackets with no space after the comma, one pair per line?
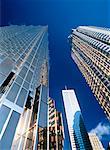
[65,87]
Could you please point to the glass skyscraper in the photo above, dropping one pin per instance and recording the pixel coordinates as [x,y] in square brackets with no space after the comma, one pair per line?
[23,87]
[79,138]
[91,52]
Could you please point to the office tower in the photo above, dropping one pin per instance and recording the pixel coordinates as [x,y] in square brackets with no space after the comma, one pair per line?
[56,129]
[95,142]
[79,138]
[23,87]
[91,52]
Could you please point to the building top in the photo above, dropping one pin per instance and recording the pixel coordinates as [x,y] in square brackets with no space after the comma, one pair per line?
[71,103]
[101,47]
[102,34]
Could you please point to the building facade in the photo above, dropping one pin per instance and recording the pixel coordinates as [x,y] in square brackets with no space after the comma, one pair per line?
[56,128]
[91,52]
[79,138]
[95,142]
[23,87]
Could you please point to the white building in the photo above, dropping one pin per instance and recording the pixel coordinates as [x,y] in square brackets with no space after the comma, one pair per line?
[95,142]
[78,136]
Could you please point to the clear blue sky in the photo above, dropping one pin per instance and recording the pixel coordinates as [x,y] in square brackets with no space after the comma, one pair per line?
[61,16]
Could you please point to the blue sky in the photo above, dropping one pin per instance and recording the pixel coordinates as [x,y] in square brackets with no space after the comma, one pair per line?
[61,16]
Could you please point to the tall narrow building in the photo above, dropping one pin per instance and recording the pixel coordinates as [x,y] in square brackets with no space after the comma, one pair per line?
[95,142]
[79,138]
[23,87]
[91,52]
[56,128]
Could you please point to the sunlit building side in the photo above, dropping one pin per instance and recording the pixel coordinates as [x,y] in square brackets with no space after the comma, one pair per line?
[91,52]
[24,87]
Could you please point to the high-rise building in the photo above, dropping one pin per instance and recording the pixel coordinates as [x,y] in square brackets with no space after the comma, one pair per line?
[91,52]
[56,129]
[95,142]
[79,138]
[23,87]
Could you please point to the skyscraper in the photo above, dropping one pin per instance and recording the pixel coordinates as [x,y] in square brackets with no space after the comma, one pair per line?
[91,52]
[95,142]
[23,87]
[56,128]
[79,138]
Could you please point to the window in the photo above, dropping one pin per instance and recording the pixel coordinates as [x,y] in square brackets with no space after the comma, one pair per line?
[29,59]
[53,122]
[26,85]
[29,76]
[4,111]
[21,97]
[10,131]
[19,80]
[13,92]
[27,64]
[23,72]
[28,102]
[52,116]
[6,82]
[34,62]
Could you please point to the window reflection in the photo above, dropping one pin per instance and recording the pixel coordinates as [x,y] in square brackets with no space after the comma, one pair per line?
[13,92]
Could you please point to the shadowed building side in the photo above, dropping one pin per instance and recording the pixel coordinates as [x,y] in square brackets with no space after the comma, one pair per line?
[56,128]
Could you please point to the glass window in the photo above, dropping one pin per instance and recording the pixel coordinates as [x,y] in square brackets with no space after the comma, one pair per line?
[27,64]
[29,76]
[33,52]
[29,58]
[4,111]
[43,113]
[23,72]
[53,122]
[26,85]
[32,67]
[34,62]
[19,62]
[13,92]
[19,80]
[23,56]
[9,132]
[21,97]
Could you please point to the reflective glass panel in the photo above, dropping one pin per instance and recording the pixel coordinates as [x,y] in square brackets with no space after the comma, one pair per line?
[13,92]
[6,143]
[21,97]
[26,85]
[19,80]
[23,72]
[4,111]
[29,76]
